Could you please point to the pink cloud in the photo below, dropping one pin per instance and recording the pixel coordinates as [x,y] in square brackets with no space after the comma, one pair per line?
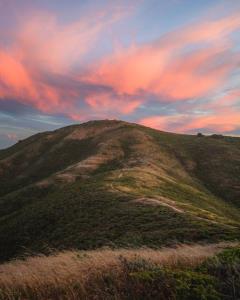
[41,50]
[14,78]
[107,103]
[222,121]
[12,136]
[206,30]
[57,47]
[229,99]
[168,69]
[17,81]
[39,68]
[164,123]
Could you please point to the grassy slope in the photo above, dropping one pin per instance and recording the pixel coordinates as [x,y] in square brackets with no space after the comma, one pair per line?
[200,176]
[185,273]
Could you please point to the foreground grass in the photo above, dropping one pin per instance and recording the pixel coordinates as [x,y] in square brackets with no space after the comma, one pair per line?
[184,272]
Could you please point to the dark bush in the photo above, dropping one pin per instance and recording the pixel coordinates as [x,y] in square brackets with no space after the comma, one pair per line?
[225,267]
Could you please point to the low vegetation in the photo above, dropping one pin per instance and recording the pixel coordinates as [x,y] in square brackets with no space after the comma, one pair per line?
[186,272]
[84,216]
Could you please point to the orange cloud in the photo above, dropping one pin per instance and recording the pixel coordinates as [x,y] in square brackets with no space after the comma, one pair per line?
[222,121]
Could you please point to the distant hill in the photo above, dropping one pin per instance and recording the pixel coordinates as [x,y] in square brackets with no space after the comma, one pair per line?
[112,183]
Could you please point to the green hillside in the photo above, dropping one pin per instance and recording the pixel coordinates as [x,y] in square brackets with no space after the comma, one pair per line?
[112,183]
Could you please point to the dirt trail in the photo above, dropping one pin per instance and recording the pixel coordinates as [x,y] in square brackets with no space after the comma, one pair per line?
[159,201]
[163,201]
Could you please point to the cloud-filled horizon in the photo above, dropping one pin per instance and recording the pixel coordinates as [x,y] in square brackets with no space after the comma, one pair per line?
[172,66]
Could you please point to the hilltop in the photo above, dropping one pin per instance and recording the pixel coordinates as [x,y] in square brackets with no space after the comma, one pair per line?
[117,184]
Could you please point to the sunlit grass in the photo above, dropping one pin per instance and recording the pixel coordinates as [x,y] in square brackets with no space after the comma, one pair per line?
[89,274]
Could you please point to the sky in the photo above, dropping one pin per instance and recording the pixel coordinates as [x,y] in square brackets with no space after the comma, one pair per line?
[172,65]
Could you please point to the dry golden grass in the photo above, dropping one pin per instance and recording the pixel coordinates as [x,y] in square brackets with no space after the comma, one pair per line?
[82,274]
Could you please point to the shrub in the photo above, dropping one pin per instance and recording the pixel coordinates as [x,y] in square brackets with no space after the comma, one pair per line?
[217,136]
[225,267]
[163,283]
[146,280]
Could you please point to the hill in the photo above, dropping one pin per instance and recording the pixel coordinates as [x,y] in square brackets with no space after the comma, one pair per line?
[112,183]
